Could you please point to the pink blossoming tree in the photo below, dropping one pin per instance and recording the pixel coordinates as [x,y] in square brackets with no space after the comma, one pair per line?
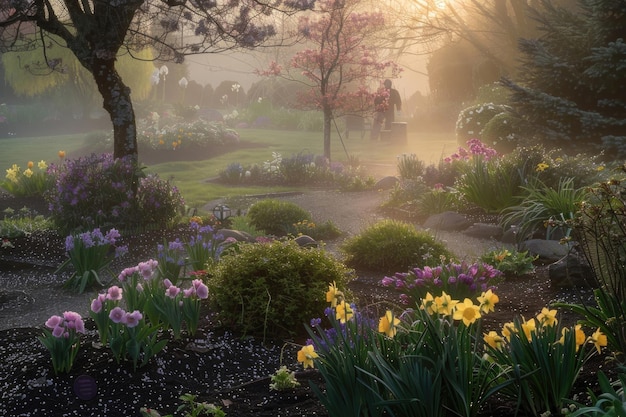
[340,61]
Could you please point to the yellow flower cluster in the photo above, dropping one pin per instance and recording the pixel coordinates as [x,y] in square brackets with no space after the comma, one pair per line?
[465,311]
[542,167]
[13,173]
[547,318]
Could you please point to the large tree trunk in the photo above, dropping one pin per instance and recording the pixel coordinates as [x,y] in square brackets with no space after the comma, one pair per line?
[118,104]
[328,118]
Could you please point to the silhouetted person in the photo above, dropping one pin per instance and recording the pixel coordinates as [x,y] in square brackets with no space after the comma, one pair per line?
[385,106]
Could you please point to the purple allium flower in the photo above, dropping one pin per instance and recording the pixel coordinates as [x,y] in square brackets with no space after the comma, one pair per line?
[172,291]
[58,331]
[96,305]
[54,321]
[202,291]
[69,243]
[133,319]
[114,293]
[316,322]
[117,315]
[387,281]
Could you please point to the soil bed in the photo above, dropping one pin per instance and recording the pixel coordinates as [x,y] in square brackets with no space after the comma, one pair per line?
[226,369]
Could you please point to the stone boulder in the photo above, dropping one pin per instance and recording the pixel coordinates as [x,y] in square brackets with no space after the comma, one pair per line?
[386,183]
[547,250]
[448,220]
[306,241]
[238,235]
[569,272]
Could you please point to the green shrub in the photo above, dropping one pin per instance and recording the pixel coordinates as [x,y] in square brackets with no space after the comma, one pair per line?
[273,288]
[437,201]
[503,133]
[472,120]
[390,245]
[276,217]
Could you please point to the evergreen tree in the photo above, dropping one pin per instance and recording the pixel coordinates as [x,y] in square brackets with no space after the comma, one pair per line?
[571,91]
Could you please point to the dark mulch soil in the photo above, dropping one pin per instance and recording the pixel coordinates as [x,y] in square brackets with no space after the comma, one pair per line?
[222,368]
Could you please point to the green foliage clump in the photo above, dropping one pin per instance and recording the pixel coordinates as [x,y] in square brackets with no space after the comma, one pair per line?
[410,167]
[503,132]
[510,262]
[22,223]
[273,288]
[543,207]
[276,217]
[391,245]
[491,184]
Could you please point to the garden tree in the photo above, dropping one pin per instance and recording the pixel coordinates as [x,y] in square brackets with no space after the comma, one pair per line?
[571,92]
[339,60]
[486,31]
[97,32]
[30,77]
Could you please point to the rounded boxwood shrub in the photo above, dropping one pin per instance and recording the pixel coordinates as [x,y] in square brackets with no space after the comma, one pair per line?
[273,288]
[391,245]
[472,120]
[277,217]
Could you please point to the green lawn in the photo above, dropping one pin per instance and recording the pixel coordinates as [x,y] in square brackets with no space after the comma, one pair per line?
[191,176]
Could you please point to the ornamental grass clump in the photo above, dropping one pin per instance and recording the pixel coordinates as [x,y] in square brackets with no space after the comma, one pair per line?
[391,245]
[460,280]
[90,254]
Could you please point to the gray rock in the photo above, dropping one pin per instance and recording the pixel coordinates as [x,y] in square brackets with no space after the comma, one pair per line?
[386,183]
[484,231]
[306,241]
[238,235]
[547,250]
[448,220]
[570,272]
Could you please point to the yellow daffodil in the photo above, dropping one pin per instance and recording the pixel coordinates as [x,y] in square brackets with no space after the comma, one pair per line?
[61,154]
[306,356]
[547,317]
[30,164]
[344,311]
[529,327]
[542,167]
[42,165]
[11,175]
[487,301]
[500,256]
[508,329]
[600,168]
[580,336]
[444,304]
[493,339]
[387,324]
[428,304]
[333,294]
[28,172]
[467,311]
[599,340]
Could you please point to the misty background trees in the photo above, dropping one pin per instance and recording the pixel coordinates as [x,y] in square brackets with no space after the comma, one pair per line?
[557,64]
